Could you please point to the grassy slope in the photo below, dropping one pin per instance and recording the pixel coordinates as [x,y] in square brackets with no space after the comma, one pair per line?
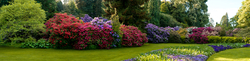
[117,54]
[238,54]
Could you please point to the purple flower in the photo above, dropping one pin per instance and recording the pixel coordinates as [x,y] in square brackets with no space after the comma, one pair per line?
[156,34]
[86,18]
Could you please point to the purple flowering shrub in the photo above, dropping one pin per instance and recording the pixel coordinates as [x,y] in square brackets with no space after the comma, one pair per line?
[172,28]
[223,46]
[229,33]
[100,22]
[197,35]
[86,18]
[117,40]
[156,34]
[220,48]
[247,45]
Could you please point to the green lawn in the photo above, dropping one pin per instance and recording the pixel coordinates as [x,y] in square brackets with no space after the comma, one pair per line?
[117,54]
[238,54]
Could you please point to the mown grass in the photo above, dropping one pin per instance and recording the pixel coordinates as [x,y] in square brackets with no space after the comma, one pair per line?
[237,54]
[116,54]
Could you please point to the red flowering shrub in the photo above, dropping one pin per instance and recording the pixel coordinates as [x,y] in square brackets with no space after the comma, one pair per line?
[92,34]
[132,36]
[63,30]
[197,35]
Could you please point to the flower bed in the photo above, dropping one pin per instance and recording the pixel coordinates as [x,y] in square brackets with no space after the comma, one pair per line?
[190,53]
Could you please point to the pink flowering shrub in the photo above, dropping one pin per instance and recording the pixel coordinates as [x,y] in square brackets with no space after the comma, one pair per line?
[92,34]
[235,31]
[209,32]
[63,30]
[229,33]
[197,35]
[132,36]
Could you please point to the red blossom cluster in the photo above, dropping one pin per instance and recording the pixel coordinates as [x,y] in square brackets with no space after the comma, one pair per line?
[132,36]
[63,29]
[94,34]
[197,35]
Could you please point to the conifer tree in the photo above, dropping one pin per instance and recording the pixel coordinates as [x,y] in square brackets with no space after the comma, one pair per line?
[49,6]
[59,6]
[90,7]
[130,12]
[154,11]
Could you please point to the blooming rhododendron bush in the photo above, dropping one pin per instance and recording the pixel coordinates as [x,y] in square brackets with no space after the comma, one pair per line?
[63,30]
[197,35]
[92,34]
[132,36]
[157,34]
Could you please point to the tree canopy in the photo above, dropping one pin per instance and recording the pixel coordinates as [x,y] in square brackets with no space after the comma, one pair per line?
[191,12]
[243,14]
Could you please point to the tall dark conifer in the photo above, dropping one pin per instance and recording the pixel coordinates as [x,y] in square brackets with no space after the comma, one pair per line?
[130,12]
[154,11]
[49,6]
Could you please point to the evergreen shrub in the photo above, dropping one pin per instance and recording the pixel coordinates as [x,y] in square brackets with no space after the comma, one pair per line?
[20,20]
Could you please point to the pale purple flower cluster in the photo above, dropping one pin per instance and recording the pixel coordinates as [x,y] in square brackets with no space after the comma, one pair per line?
[99,22]
[174,28]
[117,40]
[188,57]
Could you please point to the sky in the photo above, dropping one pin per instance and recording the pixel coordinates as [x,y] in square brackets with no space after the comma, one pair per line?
[218,8]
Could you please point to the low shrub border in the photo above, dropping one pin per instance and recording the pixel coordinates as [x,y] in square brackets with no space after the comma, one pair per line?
[226,39]
[187,53]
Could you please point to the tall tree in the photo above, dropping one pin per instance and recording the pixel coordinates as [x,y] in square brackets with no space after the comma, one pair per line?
[71,8]
[49,6]
[210,23]
[165,7]
[91,7]
[197,12]
[130,12]
[243,14]
[225,22]
[154,11]
[178,11]
[59,6]
[191,12]
[233,21]
[211,20]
